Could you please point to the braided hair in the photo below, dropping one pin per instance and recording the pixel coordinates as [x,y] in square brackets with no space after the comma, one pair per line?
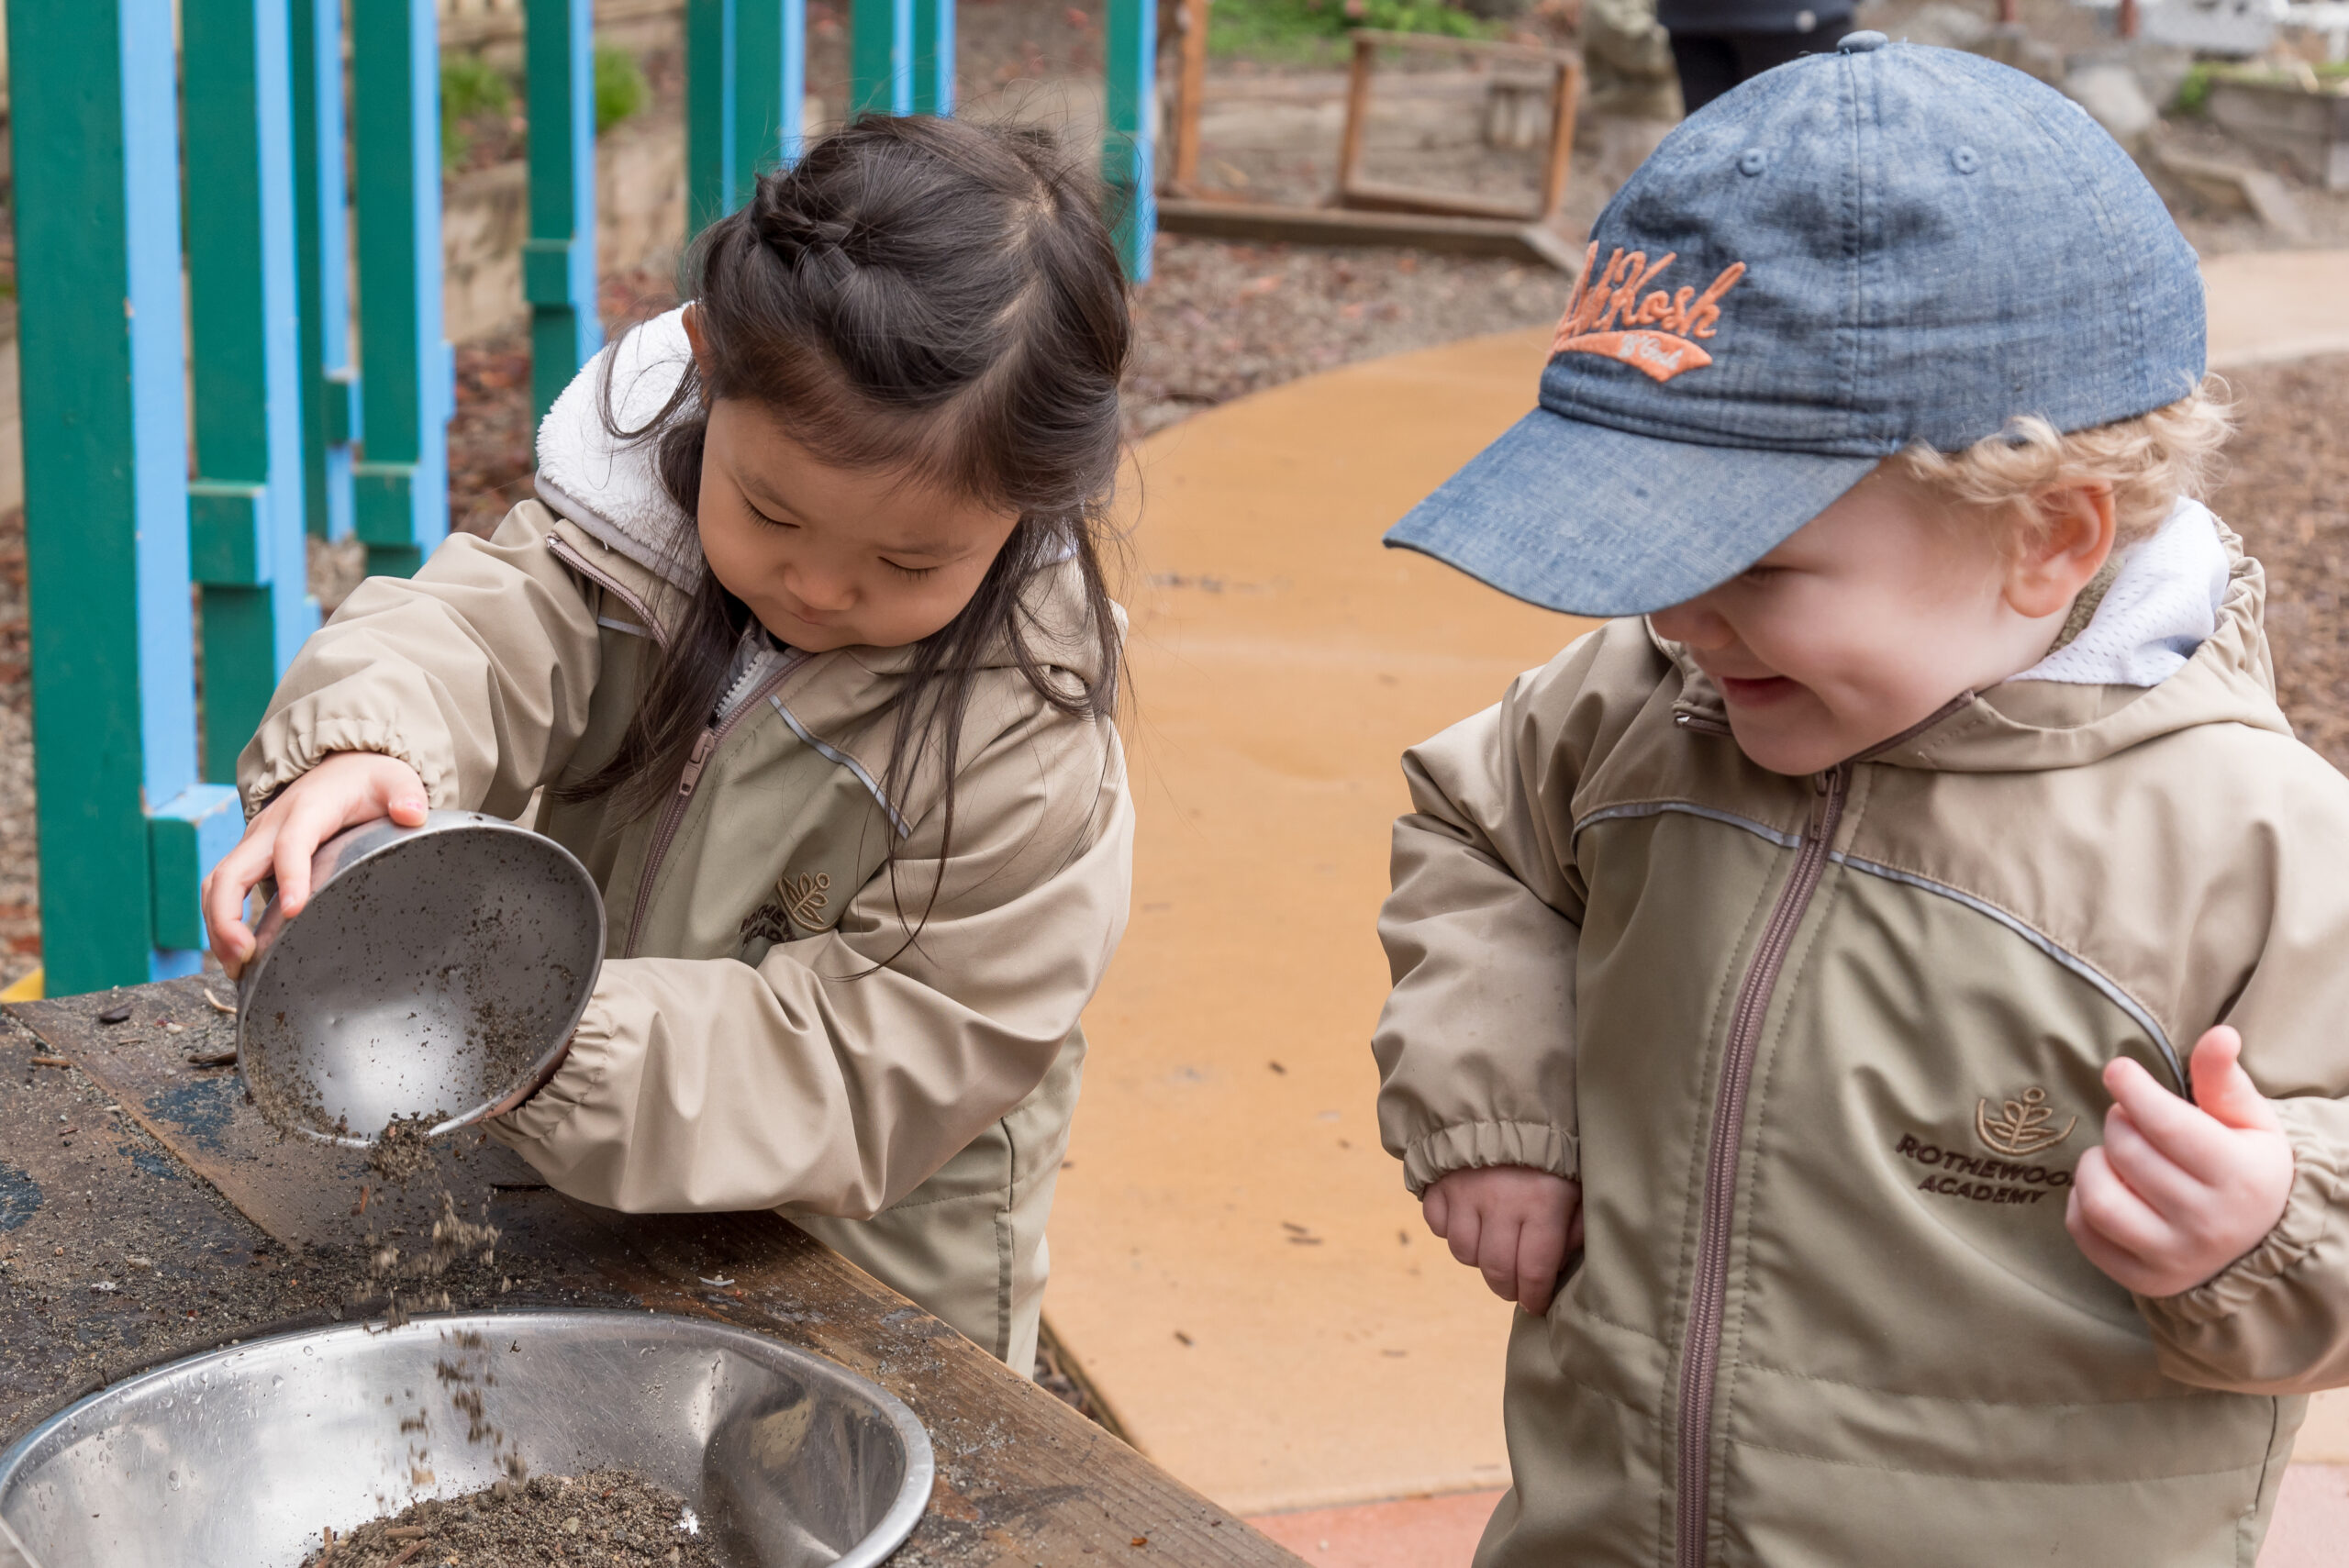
[921,297]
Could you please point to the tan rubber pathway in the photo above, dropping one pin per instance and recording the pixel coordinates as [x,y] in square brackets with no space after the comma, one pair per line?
[1235,1262]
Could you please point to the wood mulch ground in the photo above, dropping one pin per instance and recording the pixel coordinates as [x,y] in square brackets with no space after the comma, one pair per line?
[2286,492]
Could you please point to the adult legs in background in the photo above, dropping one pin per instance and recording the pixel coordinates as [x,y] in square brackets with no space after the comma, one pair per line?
[1711,63]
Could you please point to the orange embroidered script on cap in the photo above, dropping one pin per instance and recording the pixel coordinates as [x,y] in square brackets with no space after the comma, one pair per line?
[1656,333]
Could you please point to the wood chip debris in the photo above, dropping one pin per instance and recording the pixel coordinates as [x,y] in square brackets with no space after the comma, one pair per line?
[214,1058]
[52,1062]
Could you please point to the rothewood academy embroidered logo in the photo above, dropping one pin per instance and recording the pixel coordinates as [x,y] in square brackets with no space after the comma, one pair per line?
[1654,333]
[2017,1128]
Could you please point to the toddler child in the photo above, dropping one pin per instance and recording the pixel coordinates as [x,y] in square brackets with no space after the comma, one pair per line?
[806,640]
[1902,955]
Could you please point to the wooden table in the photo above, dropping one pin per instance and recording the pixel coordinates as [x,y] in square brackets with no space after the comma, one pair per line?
[146,1212]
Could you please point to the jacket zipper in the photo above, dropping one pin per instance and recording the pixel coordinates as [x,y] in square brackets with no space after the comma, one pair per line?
[1701,1350]
[737,704]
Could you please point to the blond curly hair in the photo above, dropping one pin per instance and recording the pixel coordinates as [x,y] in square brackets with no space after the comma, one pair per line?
[2150,461]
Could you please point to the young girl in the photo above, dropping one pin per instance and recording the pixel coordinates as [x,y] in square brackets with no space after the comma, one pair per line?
[807,642]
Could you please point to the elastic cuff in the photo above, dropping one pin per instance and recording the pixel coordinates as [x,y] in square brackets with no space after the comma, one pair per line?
[574,1084]
[298,756]
[1471,1145]
[2308,1210]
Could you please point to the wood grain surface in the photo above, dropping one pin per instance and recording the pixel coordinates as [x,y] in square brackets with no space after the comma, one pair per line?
[1022,1478]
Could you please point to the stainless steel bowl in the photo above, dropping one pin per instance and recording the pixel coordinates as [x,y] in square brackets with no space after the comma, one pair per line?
[434,970]
[238,1457]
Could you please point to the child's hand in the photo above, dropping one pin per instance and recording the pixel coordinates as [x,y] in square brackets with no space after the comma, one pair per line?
[343,791]
[1514,1225]
[2179,1190]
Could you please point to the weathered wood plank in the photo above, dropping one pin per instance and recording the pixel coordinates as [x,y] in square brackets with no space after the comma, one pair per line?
[1517,242]
[1023,1478]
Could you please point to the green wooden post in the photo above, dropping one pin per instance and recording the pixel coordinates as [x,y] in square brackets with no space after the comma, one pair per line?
[558,258]
[97,173]
[881,57]
[1131,67]
[247,540]
[933,27]
[746,73]
[401,485]
[710,60]
[329,382]
[771,88]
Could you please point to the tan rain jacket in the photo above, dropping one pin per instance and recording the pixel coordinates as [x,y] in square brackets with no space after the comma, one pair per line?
[761,1034]
[1823,1053]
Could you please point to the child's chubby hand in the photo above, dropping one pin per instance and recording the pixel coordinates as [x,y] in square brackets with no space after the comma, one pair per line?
[2179,1190]
[1514,1225]
[343,791]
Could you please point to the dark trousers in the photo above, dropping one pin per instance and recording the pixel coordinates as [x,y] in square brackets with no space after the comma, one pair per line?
[1711,63]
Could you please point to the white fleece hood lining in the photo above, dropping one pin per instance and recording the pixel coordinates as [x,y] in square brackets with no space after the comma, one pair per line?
[2163,605]
[607,484]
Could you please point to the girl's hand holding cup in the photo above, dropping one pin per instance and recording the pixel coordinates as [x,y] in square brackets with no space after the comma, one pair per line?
[345,790]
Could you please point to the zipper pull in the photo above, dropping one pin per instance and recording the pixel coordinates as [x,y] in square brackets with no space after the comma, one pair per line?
[695,764]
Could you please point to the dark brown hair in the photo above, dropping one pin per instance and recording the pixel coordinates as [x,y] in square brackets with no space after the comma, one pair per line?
[920,296]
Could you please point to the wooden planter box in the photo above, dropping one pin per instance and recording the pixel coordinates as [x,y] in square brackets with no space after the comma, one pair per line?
[2311,128]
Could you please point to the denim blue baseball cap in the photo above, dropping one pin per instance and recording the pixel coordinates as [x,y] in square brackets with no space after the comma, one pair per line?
[1886,244]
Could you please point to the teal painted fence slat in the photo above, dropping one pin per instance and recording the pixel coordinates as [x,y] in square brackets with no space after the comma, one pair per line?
[558,258]
[1127,174]
[881,57]
[400,487]
[710,112]
[746,75]
[321,236]
[244,337]
[771,85]
[94,145]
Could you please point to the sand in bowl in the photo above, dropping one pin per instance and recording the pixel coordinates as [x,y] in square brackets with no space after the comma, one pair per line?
[607,1516]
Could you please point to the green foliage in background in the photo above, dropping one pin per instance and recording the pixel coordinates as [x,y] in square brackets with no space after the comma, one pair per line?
[621,87]
[1292,29]
[2194,92]
[470,85]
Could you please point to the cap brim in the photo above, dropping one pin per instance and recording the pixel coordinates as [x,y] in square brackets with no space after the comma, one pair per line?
[1594,521]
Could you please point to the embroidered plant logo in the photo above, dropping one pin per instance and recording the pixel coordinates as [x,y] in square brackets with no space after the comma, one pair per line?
[2020,1127]
[804,898]
[799,905]
[1656,332]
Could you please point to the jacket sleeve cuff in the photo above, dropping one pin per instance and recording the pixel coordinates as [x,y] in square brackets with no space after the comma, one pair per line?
[282,753]
[2309,1209]
[535,1124]
[1471,1145]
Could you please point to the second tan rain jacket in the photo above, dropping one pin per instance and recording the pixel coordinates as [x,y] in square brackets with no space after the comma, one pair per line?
[1823,1053]
[763,1033]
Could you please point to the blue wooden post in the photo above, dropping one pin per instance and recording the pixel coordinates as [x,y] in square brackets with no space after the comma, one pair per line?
[933,57]
[123,820]
[881,57]
[247,540]
[401,485]
[746,73]
[558,258]
[322,267]
[1128,175]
